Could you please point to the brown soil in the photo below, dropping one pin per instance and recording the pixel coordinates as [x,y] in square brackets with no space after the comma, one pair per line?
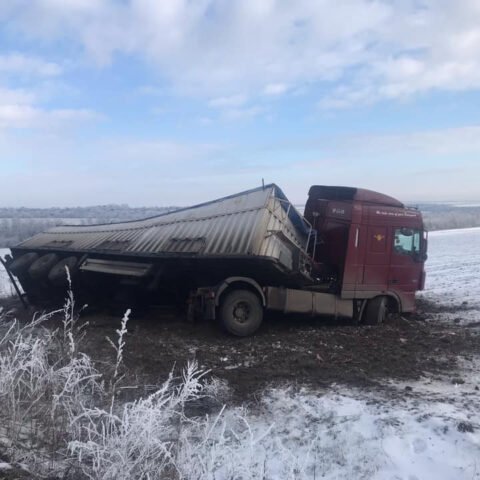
[287,349]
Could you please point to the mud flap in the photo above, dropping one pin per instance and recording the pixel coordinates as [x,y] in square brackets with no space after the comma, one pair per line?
[201,303]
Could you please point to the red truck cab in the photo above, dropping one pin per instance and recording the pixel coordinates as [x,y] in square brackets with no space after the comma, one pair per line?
[368,244]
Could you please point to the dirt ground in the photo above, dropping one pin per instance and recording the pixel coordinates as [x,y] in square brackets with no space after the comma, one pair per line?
[287,349]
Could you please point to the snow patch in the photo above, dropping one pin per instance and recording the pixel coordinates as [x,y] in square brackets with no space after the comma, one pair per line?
[6,287]
[343,433]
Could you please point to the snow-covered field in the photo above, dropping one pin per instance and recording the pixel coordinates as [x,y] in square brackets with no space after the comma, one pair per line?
[428,429]
[453,266]
[453,274]
[351,434]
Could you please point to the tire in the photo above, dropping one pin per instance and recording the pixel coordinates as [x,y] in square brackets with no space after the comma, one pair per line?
[40,268]
[241,313]
[20,265]
[58,274]
[376,311]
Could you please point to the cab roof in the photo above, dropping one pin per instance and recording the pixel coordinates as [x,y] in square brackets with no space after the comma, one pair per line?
[352,194]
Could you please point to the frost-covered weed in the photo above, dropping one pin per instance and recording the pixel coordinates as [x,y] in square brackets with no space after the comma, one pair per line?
[141,439]
[55,412]
[119,353]
[44,382]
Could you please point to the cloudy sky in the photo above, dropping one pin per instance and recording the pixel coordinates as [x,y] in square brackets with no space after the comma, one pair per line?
[161,102]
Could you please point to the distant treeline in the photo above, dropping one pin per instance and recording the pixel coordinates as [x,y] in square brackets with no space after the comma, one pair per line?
[18,224]
[449,216]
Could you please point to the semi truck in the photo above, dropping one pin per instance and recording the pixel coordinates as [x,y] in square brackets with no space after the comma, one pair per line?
[354,253]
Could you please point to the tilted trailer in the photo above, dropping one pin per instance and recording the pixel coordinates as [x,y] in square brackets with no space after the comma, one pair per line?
[356,254]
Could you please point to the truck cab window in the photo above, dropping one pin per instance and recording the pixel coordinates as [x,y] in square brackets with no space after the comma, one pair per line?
[406,241]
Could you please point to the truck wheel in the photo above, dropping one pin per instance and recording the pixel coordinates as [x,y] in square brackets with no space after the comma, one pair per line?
[241,312]
[58,274]
[40,268]
[376,311]
[21,264]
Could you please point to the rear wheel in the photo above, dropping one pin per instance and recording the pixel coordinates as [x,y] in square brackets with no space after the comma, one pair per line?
[376,311]
[58,274]
[40,268]
[241,312]
[20,265]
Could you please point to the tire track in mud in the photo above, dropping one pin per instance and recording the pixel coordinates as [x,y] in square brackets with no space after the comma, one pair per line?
[287,350]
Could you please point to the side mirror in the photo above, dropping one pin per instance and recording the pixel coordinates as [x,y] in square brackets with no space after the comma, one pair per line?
[420,257]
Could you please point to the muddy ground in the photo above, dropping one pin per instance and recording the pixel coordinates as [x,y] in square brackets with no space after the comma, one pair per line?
[287,349]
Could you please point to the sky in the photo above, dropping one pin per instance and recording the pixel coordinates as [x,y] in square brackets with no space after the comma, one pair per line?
[176,102]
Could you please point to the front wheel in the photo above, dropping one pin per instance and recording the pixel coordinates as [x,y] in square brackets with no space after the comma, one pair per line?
[241,312]
[376,311]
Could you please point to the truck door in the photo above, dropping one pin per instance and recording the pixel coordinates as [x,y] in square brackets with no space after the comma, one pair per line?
[406,266]
[375,271]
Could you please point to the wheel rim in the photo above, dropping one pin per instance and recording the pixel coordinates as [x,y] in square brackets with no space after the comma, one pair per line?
[241,312]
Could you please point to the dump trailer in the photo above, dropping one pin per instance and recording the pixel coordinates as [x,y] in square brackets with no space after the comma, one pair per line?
[354,253]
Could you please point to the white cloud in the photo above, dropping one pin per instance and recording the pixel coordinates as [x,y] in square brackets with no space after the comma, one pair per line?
[275,89]
[151,90]
[243,113]
[216,48]
[17,63]
[17,116]
[19,109]
[234,107]
[371,50]
[452,142]
[73,114]
[16,96]
[155,152]
[205,121]
[230,101]
[429,47]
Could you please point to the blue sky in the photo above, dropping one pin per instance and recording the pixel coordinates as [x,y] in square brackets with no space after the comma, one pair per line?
[175,102]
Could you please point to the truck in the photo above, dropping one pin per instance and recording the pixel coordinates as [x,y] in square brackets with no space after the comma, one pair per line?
[354,253]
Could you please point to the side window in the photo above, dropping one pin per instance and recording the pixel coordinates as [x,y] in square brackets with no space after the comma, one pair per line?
[406,241]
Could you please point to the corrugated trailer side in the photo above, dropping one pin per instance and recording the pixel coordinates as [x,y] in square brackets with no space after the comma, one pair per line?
[244,224]
[256,233]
